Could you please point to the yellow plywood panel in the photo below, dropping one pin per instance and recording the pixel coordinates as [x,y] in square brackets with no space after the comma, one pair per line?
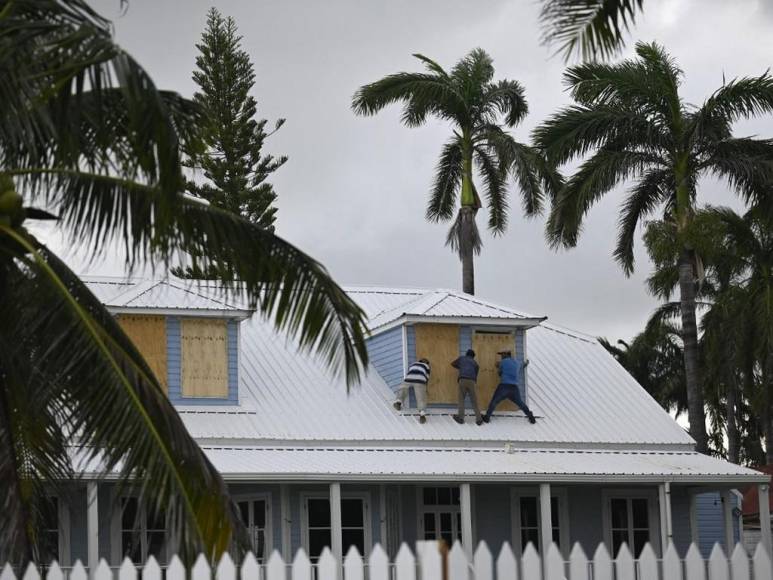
[439,343]
[204,345]
[486,346]
[148,333]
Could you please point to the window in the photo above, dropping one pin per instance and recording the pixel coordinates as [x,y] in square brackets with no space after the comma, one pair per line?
[254,514]
[355,529]
[629,523]
[526,519]
[141,534]
[204,362]
[440,514]
[148,333]
[51,537]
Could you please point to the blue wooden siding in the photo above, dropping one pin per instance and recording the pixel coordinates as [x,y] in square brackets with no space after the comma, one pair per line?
[385,351]
[521,356]
[79,542]
[174,368]
[491,520]
[410,340]
[711,521]
[465,339]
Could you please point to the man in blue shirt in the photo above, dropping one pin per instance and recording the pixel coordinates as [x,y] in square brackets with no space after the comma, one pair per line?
[509,378]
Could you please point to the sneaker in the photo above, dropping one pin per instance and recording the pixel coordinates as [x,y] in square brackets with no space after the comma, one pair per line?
[397,405]
[479,421]
[422,419]
[458,419]
[532,420]
[486,419]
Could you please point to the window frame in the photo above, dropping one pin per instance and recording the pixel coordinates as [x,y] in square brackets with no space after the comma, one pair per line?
[562,497]
[422,508]
[268,533]
[653,514]
[63,529]
[365,496]
[116,531]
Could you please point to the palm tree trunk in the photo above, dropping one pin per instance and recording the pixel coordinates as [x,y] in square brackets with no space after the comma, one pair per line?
[696,412]
[732,423]
[467,250]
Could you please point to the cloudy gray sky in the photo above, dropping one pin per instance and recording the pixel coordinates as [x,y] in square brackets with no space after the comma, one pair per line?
[354,190]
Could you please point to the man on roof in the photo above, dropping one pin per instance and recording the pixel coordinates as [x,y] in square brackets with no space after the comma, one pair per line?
[468,378]
[509,370]
[416,377]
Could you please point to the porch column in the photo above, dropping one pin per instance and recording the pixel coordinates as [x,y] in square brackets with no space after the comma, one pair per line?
[762,495]
[92,525]
[666,524]
[694,531]
[286,521]
[727,518]
[546,519]
[335,526]
[465,501]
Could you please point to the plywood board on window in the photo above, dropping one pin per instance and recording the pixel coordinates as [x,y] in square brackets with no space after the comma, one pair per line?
[439,343]
[204,358]
[486,346]
[148,333]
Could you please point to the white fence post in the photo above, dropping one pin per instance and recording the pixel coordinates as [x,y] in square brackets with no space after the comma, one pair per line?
[578,563]
[405,564]
[250,568]
[739,563]
[761,563]
[507,567]
[301,566]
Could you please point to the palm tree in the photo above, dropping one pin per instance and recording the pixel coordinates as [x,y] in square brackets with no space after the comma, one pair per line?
[590,28]
[87,140]
[480,110]
[634,124]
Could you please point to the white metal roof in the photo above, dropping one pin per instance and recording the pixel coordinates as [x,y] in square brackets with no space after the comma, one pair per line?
[120,294]
[474,464]
[296,419]
[387,305]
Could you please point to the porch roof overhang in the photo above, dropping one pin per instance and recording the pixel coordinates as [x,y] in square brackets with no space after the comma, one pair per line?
[285,463]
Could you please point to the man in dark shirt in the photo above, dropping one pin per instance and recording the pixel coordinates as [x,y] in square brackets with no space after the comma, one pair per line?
[468,377]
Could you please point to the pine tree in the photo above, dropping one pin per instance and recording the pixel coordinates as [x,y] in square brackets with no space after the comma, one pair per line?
[233,165]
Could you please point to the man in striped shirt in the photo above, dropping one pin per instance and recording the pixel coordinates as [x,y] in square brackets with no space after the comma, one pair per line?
[416,377]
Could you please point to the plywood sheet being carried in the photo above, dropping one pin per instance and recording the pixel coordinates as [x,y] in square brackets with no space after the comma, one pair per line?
[439,343]
[486,346]
[148,333]
[204,364]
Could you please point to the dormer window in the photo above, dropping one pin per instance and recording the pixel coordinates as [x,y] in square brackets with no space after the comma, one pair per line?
[195,358]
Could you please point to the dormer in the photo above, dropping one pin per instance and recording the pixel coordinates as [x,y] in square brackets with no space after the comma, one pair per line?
[440,326]
[188,336]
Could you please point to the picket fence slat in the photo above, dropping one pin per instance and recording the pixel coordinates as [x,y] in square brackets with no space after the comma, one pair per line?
[405,564]
[648,564]
[672,565]
[761,563]
[458,567]
[430,562]
[353,565]
[327,567]
[378,564]
[578,563]
[531,563]
[275,567]
[482,562]
[54,572]
[739,564]
[250,567]
[301,569]
[507,566]
[718,569]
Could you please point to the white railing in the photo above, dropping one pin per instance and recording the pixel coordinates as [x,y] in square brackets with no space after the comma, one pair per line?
[430,563]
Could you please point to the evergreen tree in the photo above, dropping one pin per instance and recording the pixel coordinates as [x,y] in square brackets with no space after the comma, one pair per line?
[233,164]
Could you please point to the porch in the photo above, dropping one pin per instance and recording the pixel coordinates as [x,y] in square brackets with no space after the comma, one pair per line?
[285,516]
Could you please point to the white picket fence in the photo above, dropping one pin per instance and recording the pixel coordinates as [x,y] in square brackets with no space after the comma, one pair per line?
[430,564]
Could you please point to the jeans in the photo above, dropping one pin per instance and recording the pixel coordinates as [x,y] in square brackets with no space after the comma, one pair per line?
[419,389]
[507,392]
[468,387]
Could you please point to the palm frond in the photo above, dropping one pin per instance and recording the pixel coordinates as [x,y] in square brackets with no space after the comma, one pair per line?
[448,179]
[508,98]
[741,99]
[589,28]
[640,202]
[457,238]
[494,181]
[256,265]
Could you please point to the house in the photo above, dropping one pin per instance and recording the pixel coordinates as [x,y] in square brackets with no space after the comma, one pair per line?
[312,465]
[752,530]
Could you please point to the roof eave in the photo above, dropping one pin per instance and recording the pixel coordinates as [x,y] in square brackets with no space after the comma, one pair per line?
[514,322]
[237,314]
